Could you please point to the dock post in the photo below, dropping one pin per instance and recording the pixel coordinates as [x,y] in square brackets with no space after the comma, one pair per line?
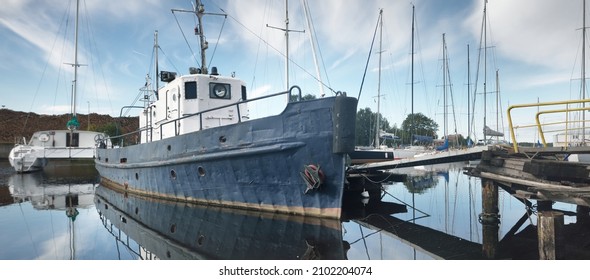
[489,218]
[582,215]
[550,229]
[544,205]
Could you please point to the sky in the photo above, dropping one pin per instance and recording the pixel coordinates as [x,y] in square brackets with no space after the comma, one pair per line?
[534,46]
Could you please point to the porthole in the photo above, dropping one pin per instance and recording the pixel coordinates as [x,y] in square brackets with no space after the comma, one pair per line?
[200,240]
[173,228]
[173,174]
[169,148]
[201,171]
[136,176]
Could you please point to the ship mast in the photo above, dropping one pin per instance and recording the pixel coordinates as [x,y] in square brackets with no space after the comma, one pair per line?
[286,30]
[412,130]
[378,116]
[199,11]
[75,82]
[73,123]
[584,71]
[485,69]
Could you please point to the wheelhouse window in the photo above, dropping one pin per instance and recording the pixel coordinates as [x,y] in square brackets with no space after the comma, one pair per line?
[190,90]
[244,95]
[72,140]
[219,91]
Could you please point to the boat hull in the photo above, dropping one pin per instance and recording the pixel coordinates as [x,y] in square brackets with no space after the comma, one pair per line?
[53,146]
[172,230]
[257,164]
[25,158]
[368,156]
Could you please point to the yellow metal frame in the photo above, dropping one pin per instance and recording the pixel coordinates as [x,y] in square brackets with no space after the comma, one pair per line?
[538,123]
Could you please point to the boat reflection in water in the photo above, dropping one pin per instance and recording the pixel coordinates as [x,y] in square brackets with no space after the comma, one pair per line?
[45,193]
[171,230]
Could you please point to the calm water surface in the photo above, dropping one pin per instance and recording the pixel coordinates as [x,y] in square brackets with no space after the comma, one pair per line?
[433,214]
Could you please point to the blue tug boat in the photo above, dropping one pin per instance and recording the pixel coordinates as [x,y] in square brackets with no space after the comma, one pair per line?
[197,144]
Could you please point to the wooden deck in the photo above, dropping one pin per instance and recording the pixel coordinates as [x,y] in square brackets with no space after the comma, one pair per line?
[539,174]
[474,153]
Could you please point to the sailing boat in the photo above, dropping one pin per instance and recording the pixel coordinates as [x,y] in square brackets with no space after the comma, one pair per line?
[378,152]
[446,77]
[578,138]
[65,198]
[413,150]
[198,145]
[70,146]
[487,131]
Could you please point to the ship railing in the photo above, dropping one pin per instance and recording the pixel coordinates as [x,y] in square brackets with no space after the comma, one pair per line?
[560,121]
[125,240]
[149,128]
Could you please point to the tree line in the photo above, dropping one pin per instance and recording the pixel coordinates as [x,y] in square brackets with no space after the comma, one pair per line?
[414,124]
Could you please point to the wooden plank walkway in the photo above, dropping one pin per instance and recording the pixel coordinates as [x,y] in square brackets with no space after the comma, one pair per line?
[538,174]
[426,159]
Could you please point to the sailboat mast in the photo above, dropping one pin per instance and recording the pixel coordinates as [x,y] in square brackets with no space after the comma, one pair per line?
[287,42]
[286,30]
[584,70]
[378,117]
[445,66]
[468,96]
[497,102]
[76,65]
[313,45]
[485,69]
[412,80]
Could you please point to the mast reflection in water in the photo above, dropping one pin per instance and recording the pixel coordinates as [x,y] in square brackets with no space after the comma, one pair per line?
[434,213]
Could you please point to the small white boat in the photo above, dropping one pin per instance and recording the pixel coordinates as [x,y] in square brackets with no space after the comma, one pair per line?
[54,144]
[57,144]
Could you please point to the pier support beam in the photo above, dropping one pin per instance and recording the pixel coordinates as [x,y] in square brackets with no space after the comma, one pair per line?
[582,215]
[489,218]
[550,232]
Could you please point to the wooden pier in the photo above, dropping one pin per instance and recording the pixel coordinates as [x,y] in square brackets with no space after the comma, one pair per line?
[539,174]
[544,175]
[449,156]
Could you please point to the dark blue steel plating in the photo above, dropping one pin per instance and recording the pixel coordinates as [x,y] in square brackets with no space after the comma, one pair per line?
[252,164]
[171,230]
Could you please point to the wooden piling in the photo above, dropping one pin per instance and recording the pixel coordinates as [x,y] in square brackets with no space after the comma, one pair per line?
[550,232]
[489,218]
[582,215]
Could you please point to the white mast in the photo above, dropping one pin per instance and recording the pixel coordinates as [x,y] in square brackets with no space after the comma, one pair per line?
[445,78]
[468,96]
[286,30]
[73,123]
[313,46]
[412,131]
[75,82]
[377,128]
[485,69]
[584,71]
